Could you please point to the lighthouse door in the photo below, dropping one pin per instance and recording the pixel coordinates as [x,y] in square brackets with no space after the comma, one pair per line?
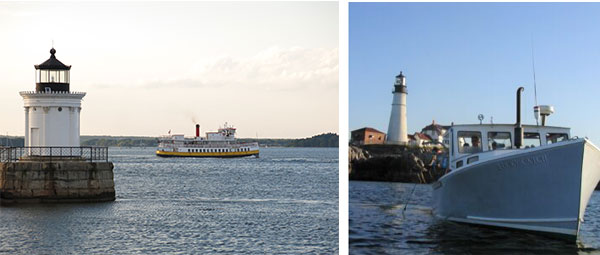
[35,137]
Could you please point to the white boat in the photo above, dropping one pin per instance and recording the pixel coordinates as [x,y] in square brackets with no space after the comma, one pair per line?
[221,143]
[528,177]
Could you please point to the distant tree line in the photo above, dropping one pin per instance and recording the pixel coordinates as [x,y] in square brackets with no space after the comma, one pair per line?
[120,142]
[11,141]
[322,140]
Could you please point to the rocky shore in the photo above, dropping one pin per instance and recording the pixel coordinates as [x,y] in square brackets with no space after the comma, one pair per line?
[394,163]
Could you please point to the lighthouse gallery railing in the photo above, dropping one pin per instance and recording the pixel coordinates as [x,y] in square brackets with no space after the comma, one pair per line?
[91,154]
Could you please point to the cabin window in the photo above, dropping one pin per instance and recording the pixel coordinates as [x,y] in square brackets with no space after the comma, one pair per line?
[472,159]
[469,142]
[499,140]
[531,140]
[459,164]
[555,138]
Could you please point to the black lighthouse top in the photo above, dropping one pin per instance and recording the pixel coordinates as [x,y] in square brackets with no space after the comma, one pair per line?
[400,84]
[52,75]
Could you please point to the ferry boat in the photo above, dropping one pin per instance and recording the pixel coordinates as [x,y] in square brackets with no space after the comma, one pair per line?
[529,177]
[221,143]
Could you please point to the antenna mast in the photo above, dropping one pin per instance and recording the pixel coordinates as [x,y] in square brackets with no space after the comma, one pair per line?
[536,109]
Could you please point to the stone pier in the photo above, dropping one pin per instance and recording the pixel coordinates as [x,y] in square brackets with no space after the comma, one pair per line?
[39,181]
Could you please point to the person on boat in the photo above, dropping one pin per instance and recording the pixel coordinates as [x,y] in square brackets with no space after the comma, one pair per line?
[476,147]
[433,163]
[475,140]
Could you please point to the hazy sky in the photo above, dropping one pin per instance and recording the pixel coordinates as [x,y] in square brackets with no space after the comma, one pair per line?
[268,68]
[463,59]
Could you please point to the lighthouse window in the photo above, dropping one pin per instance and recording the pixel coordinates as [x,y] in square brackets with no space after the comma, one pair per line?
[60,109]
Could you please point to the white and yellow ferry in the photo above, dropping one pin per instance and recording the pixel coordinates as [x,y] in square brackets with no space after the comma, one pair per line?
[216,144]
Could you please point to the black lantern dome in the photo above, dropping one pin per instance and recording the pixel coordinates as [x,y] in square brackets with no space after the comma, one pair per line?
[52,75]
[400,85]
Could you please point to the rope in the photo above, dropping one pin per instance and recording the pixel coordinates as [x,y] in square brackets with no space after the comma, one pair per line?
[409,197]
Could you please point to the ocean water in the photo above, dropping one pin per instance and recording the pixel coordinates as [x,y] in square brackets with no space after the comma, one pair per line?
[285,202]
[380,224]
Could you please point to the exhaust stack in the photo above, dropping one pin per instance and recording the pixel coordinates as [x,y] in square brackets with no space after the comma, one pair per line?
[197,130]
[518,127]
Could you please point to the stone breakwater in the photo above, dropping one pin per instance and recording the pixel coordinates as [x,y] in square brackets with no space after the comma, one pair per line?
[394,163]
[62,181]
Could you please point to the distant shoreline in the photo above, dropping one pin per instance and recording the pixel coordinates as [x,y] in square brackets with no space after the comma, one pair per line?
[322,140]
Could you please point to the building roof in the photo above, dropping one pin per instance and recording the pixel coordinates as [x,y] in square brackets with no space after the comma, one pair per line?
[423,136]
[53,63]
[400,75]
[434,127]
[367,129]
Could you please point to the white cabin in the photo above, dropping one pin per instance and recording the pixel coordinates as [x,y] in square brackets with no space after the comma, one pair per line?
[497,139]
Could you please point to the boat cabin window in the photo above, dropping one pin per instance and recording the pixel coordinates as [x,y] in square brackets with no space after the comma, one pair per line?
[459,164]
[531,140]
[469,142]
[554,138]
[472,159]
[499,140]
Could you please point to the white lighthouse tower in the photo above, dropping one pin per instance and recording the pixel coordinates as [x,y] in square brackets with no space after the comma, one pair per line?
[52,111]
[397,130]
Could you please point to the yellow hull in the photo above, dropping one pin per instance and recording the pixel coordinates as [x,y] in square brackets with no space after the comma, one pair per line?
[206,154]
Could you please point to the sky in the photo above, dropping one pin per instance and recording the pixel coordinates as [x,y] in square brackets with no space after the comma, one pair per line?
[268,68]
[465,59]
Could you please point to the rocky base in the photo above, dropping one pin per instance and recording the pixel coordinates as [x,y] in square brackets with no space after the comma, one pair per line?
[56,182]
[393,163]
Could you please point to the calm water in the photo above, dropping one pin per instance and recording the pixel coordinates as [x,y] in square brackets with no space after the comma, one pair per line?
[380,225]
[286,201]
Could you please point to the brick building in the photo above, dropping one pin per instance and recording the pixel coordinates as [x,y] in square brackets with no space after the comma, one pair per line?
[367,135]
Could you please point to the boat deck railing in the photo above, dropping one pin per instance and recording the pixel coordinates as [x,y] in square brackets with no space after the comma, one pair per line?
[212,144]
[53,153]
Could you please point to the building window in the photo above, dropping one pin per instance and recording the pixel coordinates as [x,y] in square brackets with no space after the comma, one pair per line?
[60,109]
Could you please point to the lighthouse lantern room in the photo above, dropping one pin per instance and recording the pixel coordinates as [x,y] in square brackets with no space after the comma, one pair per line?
[52,110]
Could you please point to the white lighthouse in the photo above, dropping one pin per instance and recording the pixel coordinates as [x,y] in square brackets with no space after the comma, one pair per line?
[52,111]
[397,130]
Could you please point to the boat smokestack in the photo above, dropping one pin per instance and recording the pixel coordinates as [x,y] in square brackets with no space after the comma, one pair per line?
[518,127]
[197,130]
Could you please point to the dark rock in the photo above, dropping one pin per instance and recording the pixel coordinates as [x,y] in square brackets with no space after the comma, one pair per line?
[393,163]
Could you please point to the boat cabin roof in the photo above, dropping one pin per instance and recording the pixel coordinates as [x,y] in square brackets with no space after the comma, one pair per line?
[463,140]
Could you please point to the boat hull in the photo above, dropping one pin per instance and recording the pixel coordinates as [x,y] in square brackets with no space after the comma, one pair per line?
[543,189]
[207,154]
